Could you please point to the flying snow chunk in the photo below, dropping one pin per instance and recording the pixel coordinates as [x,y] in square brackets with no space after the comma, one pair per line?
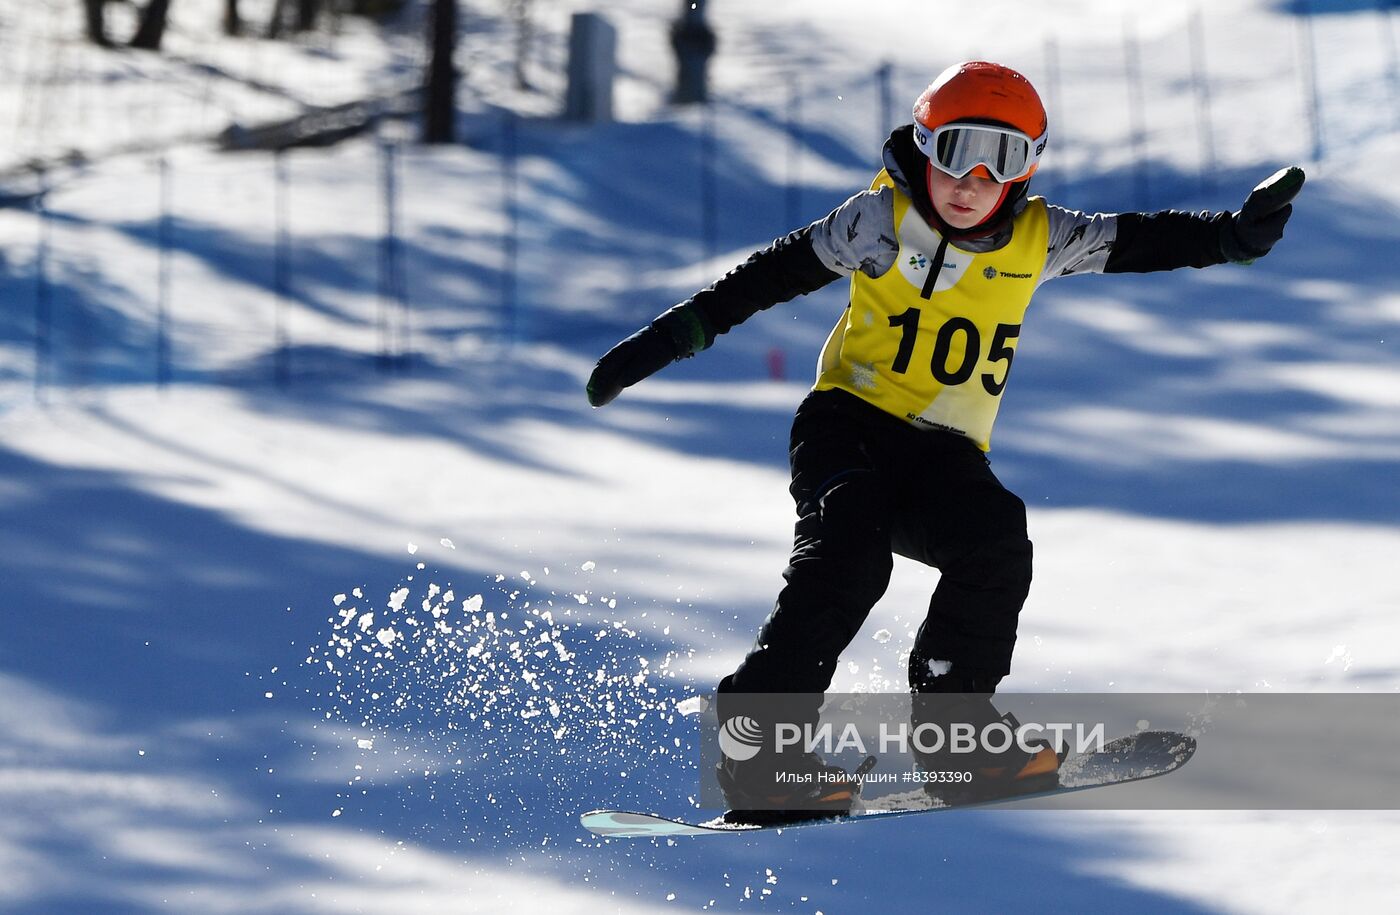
[412,548]
[387,637]
[939,668]
[589,566]
[448,543]
[1340,653]
[365,743]
[693,706]
[882,636]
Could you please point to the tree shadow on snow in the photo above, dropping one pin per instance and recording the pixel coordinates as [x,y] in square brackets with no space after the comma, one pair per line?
[170,625]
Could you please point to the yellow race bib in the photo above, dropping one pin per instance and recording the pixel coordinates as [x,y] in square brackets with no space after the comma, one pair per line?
[932,343]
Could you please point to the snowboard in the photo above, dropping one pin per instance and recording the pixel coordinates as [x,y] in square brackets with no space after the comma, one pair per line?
[1146,754]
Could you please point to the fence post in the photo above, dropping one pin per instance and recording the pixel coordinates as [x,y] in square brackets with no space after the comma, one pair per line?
[281,271]
[884,78]
[1386,9]
[400,288]
[792,195]
[381,317]
[163,234]
[510,306]
[1203,119]
[1137,114]
[391,280]
[1058,134]
[1312,101]
[43,293]
[709,190]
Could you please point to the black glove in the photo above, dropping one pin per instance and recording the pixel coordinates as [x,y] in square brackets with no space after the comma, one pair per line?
[1258,225]
[676,334]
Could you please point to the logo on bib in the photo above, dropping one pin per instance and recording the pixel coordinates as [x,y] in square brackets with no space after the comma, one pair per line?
[992,273]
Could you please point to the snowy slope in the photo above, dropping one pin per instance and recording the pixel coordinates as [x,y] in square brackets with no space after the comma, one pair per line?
[198,716]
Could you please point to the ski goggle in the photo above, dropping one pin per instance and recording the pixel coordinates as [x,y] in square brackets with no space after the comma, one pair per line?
[956,149]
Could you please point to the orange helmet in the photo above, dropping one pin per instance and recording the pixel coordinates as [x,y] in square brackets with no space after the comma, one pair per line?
[977,92]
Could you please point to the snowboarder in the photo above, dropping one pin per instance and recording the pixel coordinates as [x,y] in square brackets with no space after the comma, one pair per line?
[888,450]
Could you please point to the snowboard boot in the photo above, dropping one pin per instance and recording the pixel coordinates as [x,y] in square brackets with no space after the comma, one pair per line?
[983,775]
[1024,773]
[766,789]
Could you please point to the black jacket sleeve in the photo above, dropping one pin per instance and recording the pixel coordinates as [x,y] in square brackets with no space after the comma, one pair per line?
[1147,242]
[787,268]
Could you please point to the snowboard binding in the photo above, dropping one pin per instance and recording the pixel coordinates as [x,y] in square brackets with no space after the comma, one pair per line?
[809,788]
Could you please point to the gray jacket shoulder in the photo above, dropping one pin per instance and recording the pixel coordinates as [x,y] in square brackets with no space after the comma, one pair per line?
[1079,242]
[858,235]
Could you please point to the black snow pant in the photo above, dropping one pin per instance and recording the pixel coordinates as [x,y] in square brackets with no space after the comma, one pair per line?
[868,485]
